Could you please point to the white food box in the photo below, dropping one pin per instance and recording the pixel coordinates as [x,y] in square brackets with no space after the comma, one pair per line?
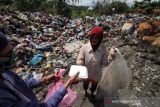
[83,72]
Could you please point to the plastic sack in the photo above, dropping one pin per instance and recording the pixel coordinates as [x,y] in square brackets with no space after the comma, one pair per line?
[127,28]
[68,100]
[37,77]
[114,77]
[60,72]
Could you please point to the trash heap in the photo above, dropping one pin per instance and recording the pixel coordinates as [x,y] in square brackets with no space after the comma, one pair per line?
[45,43]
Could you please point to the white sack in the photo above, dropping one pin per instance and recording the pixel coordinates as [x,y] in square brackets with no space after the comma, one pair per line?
[114,78]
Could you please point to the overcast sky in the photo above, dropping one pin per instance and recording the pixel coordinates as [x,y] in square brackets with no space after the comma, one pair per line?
[90,2]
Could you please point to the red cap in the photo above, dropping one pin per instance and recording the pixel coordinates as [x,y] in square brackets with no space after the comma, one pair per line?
[97,31]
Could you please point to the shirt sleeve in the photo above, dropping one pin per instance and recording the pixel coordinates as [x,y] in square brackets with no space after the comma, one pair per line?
[7,99]
[33,82]
[81,57]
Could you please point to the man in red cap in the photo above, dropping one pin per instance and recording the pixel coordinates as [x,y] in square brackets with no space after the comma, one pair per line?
[93,55]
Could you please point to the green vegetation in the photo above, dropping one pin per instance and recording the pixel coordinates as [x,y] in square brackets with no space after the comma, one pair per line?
[147,3]
[60,7]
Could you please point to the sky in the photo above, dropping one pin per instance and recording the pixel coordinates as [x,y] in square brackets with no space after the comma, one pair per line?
[90,2]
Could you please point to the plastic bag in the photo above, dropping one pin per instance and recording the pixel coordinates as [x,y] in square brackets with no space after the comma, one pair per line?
[114,78]
[68,100]
[37,77]
[46,46]
[127,28]
[36,59]
[60,72]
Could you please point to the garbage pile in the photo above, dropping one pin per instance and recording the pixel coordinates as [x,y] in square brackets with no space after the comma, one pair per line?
[45,43]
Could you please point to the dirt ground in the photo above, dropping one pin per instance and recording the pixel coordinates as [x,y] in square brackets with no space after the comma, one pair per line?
[144,88]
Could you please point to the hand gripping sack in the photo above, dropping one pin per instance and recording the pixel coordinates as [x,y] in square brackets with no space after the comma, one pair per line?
[68,100]
[115,77]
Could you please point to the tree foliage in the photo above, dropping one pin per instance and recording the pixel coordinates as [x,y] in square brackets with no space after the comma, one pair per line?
[28,5]
[147,3]
[61,7]
[119,7]
[50,6]
[113,7]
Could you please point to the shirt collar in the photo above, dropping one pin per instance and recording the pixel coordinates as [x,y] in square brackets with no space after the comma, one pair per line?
[90,47]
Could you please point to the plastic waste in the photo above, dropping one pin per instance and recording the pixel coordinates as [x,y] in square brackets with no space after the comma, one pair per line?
[36,59]
[37,77]
[68,100]
[127,28]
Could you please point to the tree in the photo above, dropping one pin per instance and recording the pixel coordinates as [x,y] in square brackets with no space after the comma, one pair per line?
[113,7]
[29,5]
[6,1]
[99,7]
[52,6]
[119,7]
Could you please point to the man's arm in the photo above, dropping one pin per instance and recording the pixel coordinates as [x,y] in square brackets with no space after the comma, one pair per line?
[81,57]
[58,96]
[7,99]
[34,82]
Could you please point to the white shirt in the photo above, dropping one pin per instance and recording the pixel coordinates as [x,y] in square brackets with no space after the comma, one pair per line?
[94,61]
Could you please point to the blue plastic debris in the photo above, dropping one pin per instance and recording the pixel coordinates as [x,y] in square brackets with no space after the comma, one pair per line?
[36,59]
